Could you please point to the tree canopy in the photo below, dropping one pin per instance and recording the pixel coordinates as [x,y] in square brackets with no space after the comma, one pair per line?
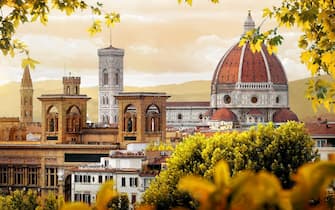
[277,150]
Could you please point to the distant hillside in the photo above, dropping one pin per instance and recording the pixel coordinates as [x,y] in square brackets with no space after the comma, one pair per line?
[189,91]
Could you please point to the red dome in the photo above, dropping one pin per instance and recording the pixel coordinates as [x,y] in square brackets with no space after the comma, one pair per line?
[240,64]
[284,115]
[224,114]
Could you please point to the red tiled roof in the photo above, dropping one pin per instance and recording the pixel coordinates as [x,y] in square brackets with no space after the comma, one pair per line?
[317,128]
[224,114]
[253,67]
[228,71]
[284,115]
[188,103]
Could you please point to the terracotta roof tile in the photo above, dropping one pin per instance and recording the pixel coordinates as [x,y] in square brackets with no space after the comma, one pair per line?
[284,115]
[224,114]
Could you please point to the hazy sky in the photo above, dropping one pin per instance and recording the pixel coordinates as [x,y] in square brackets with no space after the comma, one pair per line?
[164,42]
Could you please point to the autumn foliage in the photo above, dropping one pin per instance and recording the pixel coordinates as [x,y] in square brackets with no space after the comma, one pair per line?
[279,151]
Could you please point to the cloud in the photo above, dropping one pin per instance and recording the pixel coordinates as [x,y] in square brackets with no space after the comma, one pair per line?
[135,78]
[143,49]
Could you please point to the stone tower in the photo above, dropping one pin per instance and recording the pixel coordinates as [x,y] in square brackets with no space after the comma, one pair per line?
[26,91]
[110,83]
[71,85]
[64,115]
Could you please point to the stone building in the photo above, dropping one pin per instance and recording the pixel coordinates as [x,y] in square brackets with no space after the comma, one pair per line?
[64,115]
[142,117]
[110,83]
[247,88]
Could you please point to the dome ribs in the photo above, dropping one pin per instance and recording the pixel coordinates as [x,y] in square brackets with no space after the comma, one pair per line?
[253,67]
[277,72]
[228,72]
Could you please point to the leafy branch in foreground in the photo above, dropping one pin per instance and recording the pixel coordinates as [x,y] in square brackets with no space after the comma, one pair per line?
[262,190]
[13,13]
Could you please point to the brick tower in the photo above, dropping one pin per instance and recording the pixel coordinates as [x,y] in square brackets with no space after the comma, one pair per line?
[26,91]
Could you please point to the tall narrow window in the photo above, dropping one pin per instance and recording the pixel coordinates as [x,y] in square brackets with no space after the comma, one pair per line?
[105,77]
[116,78]
[123,181]
[33,176]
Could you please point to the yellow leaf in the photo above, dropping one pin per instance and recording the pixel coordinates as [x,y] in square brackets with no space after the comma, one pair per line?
[315,104]
[29,62]
[267,12]
[105,194]
[221,174]
[69,10]
[311,180]
[198,187]
[242,42]
[75,206]
[43,19]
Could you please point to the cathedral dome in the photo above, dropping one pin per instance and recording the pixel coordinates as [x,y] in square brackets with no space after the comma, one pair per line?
[224,114]
[241,65]
[284,115]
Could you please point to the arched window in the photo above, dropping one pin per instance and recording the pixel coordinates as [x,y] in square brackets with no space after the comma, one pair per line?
[103,99]
[77,90]
[277,99]
[107,101]
[180,116]
[152,119]
[73,119]
[129,119]
[52,119]
[105,77]
[116,77]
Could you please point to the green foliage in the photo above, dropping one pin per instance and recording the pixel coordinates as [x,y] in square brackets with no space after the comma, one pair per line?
[277,150]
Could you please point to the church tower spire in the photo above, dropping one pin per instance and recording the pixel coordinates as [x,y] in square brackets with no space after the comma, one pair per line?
[26,91]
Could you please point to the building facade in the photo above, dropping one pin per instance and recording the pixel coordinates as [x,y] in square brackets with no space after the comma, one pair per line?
[142,117]
[64,115]
[124,168]
[110,83]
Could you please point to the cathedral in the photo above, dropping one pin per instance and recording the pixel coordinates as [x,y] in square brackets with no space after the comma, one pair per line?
[246,88]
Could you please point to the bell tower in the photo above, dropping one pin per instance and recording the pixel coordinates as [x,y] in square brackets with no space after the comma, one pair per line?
[110,83]
[71,85]
[26,92]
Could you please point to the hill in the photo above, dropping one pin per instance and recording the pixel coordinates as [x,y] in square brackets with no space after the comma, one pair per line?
[189,91]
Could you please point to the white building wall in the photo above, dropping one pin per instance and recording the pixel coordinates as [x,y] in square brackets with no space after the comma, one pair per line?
[190,116]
